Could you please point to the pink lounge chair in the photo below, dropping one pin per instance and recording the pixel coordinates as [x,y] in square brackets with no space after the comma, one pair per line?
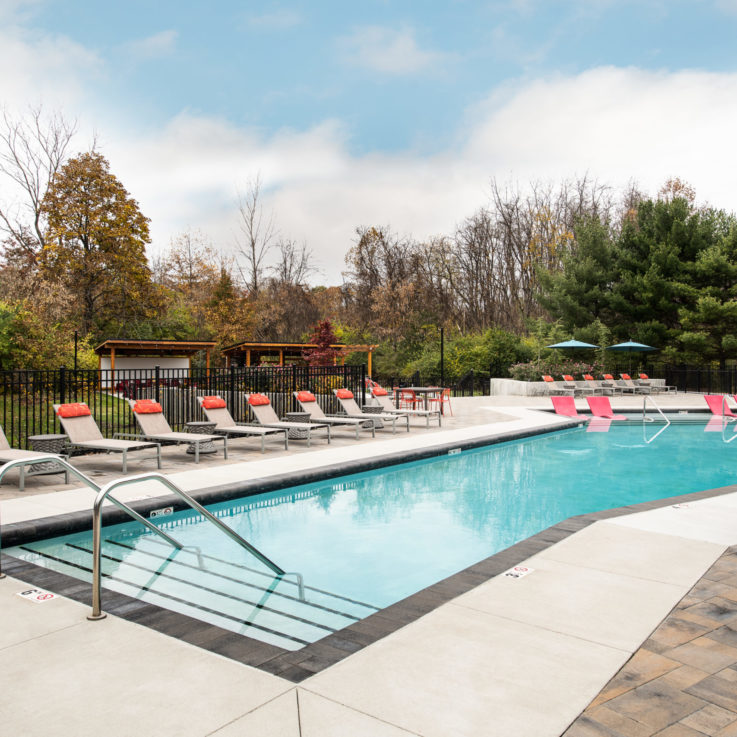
[565,406]
[602,407]
[718,406]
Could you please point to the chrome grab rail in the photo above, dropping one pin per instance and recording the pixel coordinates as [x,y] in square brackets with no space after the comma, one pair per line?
[645,398]
[87,480]
[97,612]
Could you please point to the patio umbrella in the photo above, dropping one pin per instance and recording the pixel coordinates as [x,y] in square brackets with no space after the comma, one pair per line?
[631,346]
[573,344]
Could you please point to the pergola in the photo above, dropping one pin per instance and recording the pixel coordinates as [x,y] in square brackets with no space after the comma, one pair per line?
[154,349]
[249,352]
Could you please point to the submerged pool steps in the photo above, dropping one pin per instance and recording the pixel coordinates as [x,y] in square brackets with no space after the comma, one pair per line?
[228,594]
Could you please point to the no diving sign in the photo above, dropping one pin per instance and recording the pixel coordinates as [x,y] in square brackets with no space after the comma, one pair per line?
[37,596]
[518,572]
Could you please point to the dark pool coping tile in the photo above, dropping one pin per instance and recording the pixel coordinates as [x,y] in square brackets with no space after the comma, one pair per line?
[297,665]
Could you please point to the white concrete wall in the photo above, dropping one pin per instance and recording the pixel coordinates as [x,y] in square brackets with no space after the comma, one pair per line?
[145,362]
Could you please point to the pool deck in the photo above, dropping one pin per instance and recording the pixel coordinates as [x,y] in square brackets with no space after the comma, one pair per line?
[512,656]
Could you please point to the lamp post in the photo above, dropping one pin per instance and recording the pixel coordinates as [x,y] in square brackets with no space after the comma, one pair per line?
[442,359]
[76,335]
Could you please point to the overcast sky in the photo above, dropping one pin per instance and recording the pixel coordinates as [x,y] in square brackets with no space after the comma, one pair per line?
[382,112]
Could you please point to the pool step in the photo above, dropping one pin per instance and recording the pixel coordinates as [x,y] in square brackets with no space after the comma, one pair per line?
[226,593]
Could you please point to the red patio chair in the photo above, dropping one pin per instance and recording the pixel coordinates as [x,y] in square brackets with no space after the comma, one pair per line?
[440,400]
[565,406]
[718,406]
[602,407]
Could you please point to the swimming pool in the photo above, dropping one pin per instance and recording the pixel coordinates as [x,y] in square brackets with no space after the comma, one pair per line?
[365,541]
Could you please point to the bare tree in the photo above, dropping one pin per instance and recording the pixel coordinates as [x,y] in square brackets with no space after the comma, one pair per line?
[32,150]
[258,235]
[293,267]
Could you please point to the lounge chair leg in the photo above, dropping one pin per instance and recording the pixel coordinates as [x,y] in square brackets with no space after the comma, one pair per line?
[286,440]
[22,481]
[125,461]
[225,447]
[263,443]
[309,437]
[197,451]
[158,455]
[328,434]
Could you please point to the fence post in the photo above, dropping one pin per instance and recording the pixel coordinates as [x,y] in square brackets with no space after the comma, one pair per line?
[62,383]
[292,401]
[363,384]
[232,387]
[157,378]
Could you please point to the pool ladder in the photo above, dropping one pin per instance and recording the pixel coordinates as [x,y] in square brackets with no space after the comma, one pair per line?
[103,493]
[645,418]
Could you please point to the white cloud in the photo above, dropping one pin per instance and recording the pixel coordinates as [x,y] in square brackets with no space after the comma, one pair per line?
[616,124]
[388,51]
[277,19]
[152,47]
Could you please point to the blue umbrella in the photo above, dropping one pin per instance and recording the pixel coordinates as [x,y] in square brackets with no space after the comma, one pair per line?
[572,344]
[631,346]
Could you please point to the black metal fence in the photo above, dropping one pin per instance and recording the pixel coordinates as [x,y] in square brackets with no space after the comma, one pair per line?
[27,397]
[702,379]
[469,385]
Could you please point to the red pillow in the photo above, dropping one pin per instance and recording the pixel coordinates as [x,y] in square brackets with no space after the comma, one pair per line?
[213,403]
[548,378]
[608,377]
[588,377]
[76,409]
[379,391]
[626,377]
[344,394]
[306,397]
[256,400]
[147,407]
[567,377]
[643,376]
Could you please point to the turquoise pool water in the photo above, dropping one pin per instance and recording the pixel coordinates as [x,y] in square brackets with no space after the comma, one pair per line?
[365,541]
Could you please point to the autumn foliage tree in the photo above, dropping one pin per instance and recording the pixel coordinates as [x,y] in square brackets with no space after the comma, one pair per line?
[323,336]
[95,242]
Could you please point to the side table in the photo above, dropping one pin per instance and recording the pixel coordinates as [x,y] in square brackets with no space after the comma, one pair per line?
[201,428]
[294,433]
[46,444]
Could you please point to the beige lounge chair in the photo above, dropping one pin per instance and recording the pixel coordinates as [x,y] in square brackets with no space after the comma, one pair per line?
[308,402]
[638,389]
[348,403]
[265,415]
[8,454]
[553,387]
[216,410]
[78,423]
[381,395]
[153,424]
[644,380]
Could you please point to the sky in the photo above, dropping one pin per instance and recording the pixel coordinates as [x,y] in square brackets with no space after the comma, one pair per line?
[382,112]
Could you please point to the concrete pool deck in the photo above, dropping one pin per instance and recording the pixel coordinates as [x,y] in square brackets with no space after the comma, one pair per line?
[509,657]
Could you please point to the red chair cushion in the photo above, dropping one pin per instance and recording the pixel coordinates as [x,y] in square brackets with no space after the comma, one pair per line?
[608,377]
[548,378]
[344,394]
[213,403]
[257,400]
[306,397]
[643,376]
[379,391]
[588,377]
[76,409]
[626,377]
[147,407]
[567,377]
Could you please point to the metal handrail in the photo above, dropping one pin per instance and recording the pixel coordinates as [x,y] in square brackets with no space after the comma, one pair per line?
[43,457]
[97,612]
[645,419]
